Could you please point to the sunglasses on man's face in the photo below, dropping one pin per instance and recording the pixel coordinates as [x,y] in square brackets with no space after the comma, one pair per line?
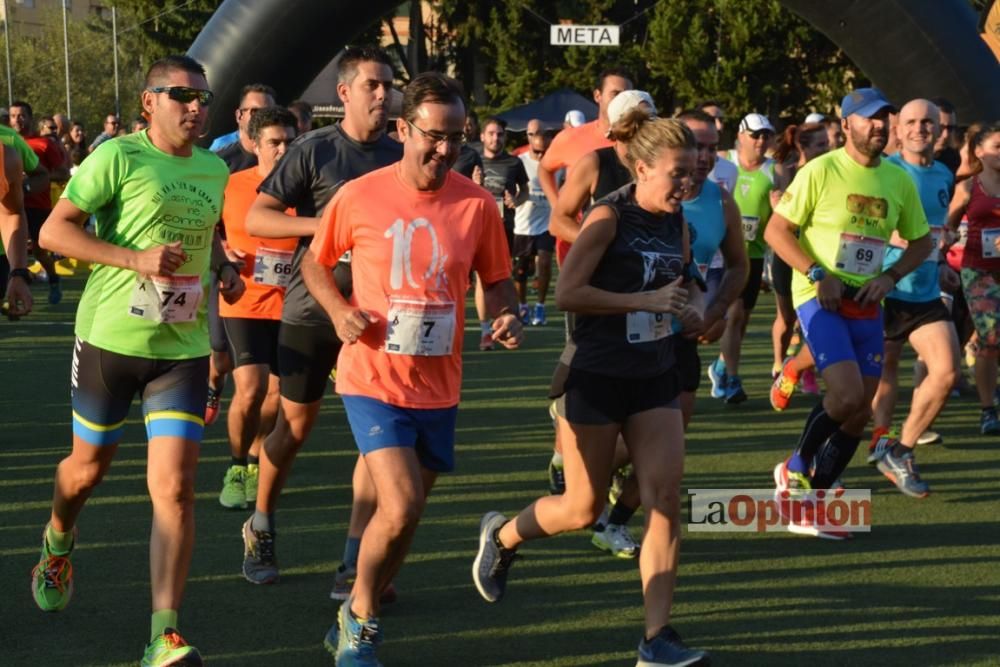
[184,94]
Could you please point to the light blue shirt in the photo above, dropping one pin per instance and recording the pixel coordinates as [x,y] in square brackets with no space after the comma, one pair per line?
[224,140]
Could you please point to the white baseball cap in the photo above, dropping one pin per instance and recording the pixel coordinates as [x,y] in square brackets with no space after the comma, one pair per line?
[815,118]
[575,118]
[755,122]
[627,100]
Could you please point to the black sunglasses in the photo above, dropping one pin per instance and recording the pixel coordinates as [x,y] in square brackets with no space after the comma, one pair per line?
[184,94]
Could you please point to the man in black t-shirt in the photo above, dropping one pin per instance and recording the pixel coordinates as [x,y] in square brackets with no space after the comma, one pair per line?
[505,178]
[307,177]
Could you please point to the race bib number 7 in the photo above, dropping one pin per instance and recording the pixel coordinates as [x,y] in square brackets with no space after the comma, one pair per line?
[420,328]
[166,299]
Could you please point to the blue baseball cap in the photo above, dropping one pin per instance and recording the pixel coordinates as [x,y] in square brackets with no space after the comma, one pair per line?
[865,102]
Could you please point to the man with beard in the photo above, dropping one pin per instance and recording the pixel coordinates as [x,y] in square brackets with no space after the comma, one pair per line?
[846,205]
[415,231]
[141,328]
[306,178]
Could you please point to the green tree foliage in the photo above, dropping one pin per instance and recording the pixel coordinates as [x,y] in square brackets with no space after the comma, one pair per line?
[751,55]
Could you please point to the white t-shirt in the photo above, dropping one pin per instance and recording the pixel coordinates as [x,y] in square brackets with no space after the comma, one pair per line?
[532,217]
[724,174]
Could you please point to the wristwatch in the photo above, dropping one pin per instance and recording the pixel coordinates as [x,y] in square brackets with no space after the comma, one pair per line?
[815,273]
[23,274]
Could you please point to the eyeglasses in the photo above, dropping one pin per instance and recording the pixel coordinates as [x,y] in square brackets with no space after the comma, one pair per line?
[249,110]
[51,128]
[437,138]
[185,95]
[761,134]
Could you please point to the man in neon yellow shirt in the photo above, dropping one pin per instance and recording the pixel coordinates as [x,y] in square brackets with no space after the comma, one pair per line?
[846,205]
[141,327]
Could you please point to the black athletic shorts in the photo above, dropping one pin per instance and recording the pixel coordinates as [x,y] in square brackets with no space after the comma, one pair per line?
[103,384]
[253,341]
[752,289]
[688,363]
[306,355]
[593,399]
[508,228]
[781,277]
[36,218]
[529,246]
[901,318]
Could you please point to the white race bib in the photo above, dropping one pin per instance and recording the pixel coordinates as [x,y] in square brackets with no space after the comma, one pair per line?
[166,299]
[989,240]
[642,326]
[860,254]
[420,328]
[272,267]
[750,227]
[936,234]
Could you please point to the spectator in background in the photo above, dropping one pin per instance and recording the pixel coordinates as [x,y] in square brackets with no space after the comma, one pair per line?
[76,140]
[835,133]
[111,125]
[714,109]
[138,124]
[303,113]
[62,123]
[47,127]
[236,148]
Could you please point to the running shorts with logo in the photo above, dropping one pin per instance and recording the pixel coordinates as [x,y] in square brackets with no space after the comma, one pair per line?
[430,433]
[103,385]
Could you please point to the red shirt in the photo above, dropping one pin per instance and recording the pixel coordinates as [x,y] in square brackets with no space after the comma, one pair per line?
[51,158]
[983,213]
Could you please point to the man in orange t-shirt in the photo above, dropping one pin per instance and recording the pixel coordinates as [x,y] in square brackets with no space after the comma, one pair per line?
[252,322]
[573,143]
[415,231]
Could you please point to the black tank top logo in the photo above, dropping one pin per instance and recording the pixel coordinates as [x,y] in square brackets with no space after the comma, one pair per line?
[659,261]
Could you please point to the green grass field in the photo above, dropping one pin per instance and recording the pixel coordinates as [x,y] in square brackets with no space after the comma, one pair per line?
[923,588]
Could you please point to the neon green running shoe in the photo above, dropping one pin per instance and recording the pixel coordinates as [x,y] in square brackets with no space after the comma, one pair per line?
[250,483]
[52,579]
[170,649]
[234,495]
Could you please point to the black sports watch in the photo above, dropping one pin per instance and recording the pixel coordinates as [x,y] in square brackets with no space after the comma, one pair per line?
[23,274]
[815,273]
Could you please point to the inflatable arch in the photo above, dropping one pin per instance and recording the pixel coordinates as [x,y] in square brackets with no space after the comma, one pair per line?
[909,48]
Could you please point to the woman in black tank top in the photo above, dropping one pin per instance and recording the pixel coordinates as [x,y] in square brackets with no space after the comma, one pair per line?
[630,281]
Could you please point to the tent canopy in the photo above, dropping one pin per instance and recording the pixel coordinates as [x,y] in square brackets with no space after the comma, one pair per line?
[550,109]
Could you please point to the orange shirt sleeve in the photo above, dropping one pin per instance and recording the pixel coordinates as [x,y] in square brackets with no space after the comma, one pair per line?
[492,259]
[334,236]
[553,159]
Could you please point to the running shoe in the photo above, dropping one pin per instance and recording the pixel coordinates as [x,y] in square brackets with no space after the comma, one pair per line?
[251,482]
[492,564]
[55,292]
[538,315]
[233,495]
[782,389]
[668,650]
[808,383]
[259,563]
[212,406]
[343,584]
[930,438]
[717,376]
[796,483]
[557,479]
[902,471]
[52,578]
[486,342]
[170,649]
[734,390]
[353,642]
[880,444]
[618,479]
[524,313]
[798,518]
[988,422]
[617,540]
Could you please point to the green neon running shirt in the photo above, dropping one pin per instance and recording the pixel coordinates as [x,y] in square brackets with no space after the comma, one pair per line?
[753,197]
[143,197]
[846,214]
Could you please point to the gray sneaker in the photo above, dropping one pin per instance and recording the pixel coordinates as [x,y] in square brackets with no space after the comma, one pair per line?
[902,471]
[259,564]
[489,570]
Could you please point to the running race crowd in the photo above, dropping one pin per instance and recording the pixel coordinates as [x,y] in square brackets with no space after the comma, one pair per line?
[348,252]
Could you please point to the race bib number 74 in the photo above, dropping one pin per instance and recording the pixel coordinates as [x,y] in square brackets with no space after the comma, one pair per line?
[166,299]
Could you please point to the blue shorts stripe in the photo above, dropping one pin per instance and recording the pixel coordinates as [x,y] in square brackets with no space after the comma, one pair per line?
[98,437]
[174,428]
